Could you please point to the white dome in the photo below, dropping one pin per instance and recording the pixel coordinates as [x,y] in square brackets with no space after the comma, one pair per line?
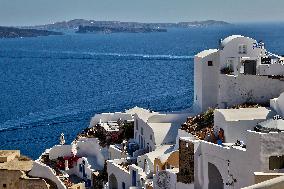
[229,39]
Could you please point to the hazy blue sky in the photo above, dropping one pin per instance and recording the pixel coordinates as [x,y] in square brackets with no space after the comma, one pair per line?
[30,12]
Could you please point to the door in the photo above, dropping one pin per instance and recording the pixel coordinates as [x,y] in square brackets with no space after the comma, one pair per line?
[134,178]
[215,178]
[250,67]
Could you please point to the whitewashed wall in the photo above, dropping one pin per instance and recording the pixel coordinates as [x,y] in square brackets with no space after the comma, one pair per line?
[115,153]
[60,151]
[43,171]
[252,88]
[89,147]
[170,117]
[271,69]
[236,130]
[105,117]
[240,168]
[206,80]
[147,132]
[243,162]
[278,104]
[121,174]
[271,144]
[76,169]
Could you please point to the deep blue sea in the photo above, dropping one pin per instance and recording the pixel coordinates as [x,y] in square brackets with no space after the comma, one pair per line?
[54,84]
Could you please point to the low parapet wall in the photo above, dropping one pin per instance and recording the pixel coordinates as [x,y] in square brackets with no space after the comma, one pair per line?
[276,183]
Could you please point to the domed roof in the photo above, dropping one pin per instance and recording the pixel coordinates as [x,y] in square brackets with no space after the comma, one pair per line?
[229,39]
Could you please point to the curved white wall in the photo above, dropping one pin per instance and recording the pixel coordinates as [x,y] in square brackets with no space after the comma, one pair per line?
[43,171]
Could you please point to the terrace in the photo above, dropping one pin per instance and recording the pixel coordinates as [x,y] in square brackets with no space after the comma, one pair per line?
[60,166]
[203,127]
[110,132]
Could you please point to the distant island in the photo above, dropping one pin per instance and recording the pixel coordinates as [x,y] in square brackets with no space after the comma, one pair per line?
[12,32]
[116,29]
[92,26]
[86,26]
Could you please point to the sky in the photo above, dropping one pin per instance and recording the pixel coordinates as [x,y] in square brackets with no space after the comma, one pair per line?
[34,12]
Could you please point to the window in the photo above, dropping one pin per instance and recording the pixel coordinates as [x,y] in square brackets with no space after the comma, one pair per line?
[123,185]
[210,63]
[136,124]
[276,162]
[4,185]
[157,168]
[230,64]
[151,137]
[141,130]
[242,49]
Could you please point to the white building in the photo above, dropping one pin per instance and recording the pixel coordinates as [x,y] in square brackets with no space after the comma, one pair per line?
[233,165]
[156,133]
[236,122]
[153,129]
[238,72]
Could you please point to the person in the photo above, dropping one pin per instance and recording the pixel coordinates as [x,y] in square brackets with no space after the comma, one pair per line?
[221,137]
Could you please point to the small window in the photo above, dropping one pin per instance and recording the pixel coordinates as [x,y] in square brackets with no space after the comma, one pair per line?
[123,185]
[151,137]
[210,63]
[4,185]
[242,49]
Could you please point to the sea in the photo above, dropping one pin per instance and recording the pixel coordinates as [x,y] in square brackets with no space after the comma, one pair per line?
[55,84]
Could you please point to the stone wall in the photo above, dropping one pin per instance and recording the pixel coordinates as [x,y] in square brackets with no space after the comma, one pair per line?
[17,180]
[186,162]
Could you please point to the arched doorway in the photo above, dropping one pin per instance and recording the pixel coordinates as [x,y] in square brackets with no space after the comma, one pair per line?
[112,182]
[215,177]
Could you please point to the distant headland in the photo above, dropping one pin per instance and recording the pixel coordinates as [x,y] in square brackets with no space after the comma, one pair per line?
[12,32]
